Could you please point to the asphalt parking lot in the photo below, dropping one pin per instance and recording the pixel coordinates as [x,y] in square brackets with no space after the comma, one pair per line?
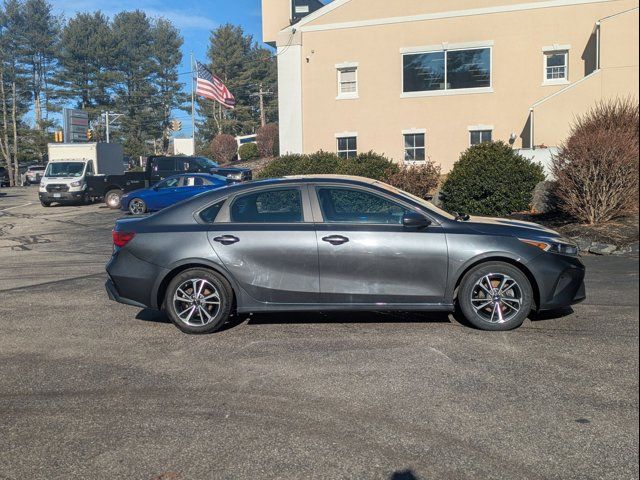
[93,389]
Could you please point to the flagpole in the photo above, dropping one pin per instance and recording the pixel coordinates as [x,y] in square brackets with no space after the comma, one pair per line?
[193,105]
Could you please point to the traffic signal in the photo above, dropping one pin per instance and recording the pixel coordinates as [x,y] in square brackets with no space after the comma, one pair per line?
[89,134]
[58,136]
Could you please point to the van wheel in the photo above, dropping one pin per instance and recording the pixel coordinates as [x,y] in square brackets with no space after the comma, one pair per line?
[112,198]
[45,204]
[198,301]
[495,296]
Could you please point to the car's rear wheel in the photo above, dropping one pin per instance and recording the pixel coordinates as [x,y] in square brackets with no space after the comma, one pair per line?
[137,206]
[112,198]
[495,296]
[198,301]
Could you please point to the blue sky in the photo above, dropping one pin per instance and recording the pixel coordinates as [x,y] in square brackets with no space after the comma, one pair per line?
[194,19]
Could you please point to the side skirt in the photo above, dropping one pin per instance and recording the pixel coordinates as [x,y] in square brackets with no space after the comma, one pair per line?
[347,307]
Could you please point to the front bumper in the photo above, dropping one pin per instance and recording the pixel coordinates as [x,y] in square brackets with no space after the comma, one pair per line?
[61,196]
[560,280]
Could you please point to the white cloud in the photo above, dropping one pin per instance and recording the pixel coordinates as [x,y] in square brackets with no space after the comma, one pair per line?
[182,20]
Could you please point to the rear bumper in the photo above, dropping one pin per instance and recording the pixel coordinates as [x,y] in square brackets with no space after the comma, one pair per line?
[61,196]
[113,294]
[133,281]
[560,280]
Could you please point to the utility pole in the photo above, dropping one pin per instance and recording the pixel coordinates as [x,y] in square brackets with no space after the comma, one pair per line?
[261,94]
[108,117]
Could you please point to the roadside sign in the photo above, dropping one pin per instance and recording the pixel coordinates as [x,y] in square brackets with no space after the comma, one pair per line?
[76,125]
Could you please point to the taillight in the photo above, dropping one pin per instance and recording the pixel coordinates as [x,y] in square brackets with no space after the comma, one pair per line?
[120,239]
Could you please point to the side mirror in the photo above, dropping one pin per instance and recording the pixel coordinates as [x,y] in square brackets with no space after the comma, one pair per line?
[415,220]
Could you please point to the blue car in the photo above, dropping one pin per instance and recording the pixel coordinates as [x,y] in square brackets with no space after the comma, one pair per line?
[169,191]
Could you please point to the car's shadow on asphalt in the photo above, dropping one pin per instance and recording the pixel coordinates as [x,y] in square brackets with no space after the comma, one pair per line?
[551,314]
[309,318]
[148,315]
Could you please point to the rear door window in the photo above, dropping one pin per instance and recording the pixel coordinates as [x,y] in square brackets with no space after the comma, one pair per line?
[268,206]
[164,164]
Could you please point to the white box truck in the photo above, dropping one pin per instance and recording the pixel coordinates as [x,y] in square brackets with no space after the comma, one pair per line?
[70,164]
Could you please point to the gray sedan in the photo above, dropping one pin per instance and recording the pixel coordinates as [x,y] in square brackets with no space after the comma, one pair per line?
[336,243]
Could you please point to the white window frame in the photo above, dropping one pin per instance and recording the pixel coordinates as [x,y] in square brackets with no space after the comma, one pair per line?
[447,47]
[414,131]
[344,135]
[340,68]
[555,49]
[480,128]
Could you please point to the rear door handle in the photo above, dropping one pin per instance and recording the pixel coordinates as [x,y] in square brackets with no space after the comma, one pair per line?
[227,240]
[335,239]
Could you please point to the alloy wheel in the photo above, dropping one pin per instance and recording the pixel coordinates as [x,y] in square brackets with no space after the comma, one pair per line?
[196,302]
[137,206]
[496,298]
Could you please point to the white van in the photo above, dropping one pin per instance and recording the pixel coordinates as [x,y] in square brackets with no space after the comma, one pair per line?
[70,164]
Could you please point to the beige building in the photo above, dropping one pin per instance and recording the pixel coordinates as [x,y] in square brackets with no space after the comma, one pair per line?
[416,78]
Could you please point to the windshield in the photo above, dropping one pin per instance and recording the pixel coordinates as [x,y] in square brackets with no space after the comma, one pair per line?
[65,169]
[430,206]
[205,163]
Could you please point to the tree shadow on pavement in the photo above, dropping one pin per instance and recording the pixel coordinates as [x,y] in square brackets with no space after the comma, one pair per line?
[403,475]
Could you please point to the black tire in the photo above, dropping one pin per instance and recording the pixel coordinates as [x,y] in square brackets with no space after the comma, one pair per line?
[112,198]
[501,317]
[45,204]
[219,315]
[137,206]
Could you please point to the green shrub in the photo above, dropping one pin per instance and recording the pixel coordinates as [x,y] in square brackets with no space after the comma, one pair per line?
[369,165]
[248,151]
[491,179]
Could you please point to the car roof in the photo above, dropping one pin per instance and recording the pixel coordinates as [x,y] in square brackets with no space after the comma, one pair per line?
[320,178]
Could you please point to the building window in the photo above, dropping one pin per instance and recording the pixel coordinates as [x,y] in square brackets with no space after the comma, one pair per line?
[480,136]
[556,68]
[347,146]
[348,82]
[460,69]
[414,147]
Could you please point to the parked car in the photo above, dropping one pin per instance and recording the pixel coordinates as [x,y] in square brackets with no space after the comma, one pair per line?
[169,191]
[336,243]
[33,174]
[112,187]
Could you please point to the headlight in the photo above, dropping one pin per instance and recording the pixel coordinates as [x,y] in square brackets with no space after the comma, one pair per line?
[553,247]
[235,176]
[76,184]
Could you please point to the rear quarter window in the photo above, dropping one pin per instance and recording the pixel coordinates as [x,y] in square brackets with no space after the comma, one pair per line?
[209,214]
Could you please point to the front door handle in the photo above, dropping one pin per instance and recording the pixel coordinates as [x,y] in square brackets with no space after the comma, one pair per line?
[227,240]
[335,239]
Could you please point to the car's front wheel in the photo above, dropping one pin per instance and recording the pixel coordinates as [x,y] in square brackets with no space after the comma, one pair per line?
[137,206]
[495,296]
[198,301]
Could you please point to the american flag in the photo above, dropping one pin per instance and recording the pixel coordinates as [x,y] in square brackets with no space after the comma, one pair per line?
[211,87]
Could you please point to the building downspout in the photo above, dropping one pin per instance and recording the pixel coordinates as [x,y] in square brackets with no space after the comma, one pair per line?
[531,142]
[598,45]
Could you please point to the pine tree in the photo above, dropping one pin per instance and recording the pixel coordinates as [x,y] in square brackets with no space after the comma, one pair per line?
[14,85]
[167,55]
[87,54]
[243,66]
